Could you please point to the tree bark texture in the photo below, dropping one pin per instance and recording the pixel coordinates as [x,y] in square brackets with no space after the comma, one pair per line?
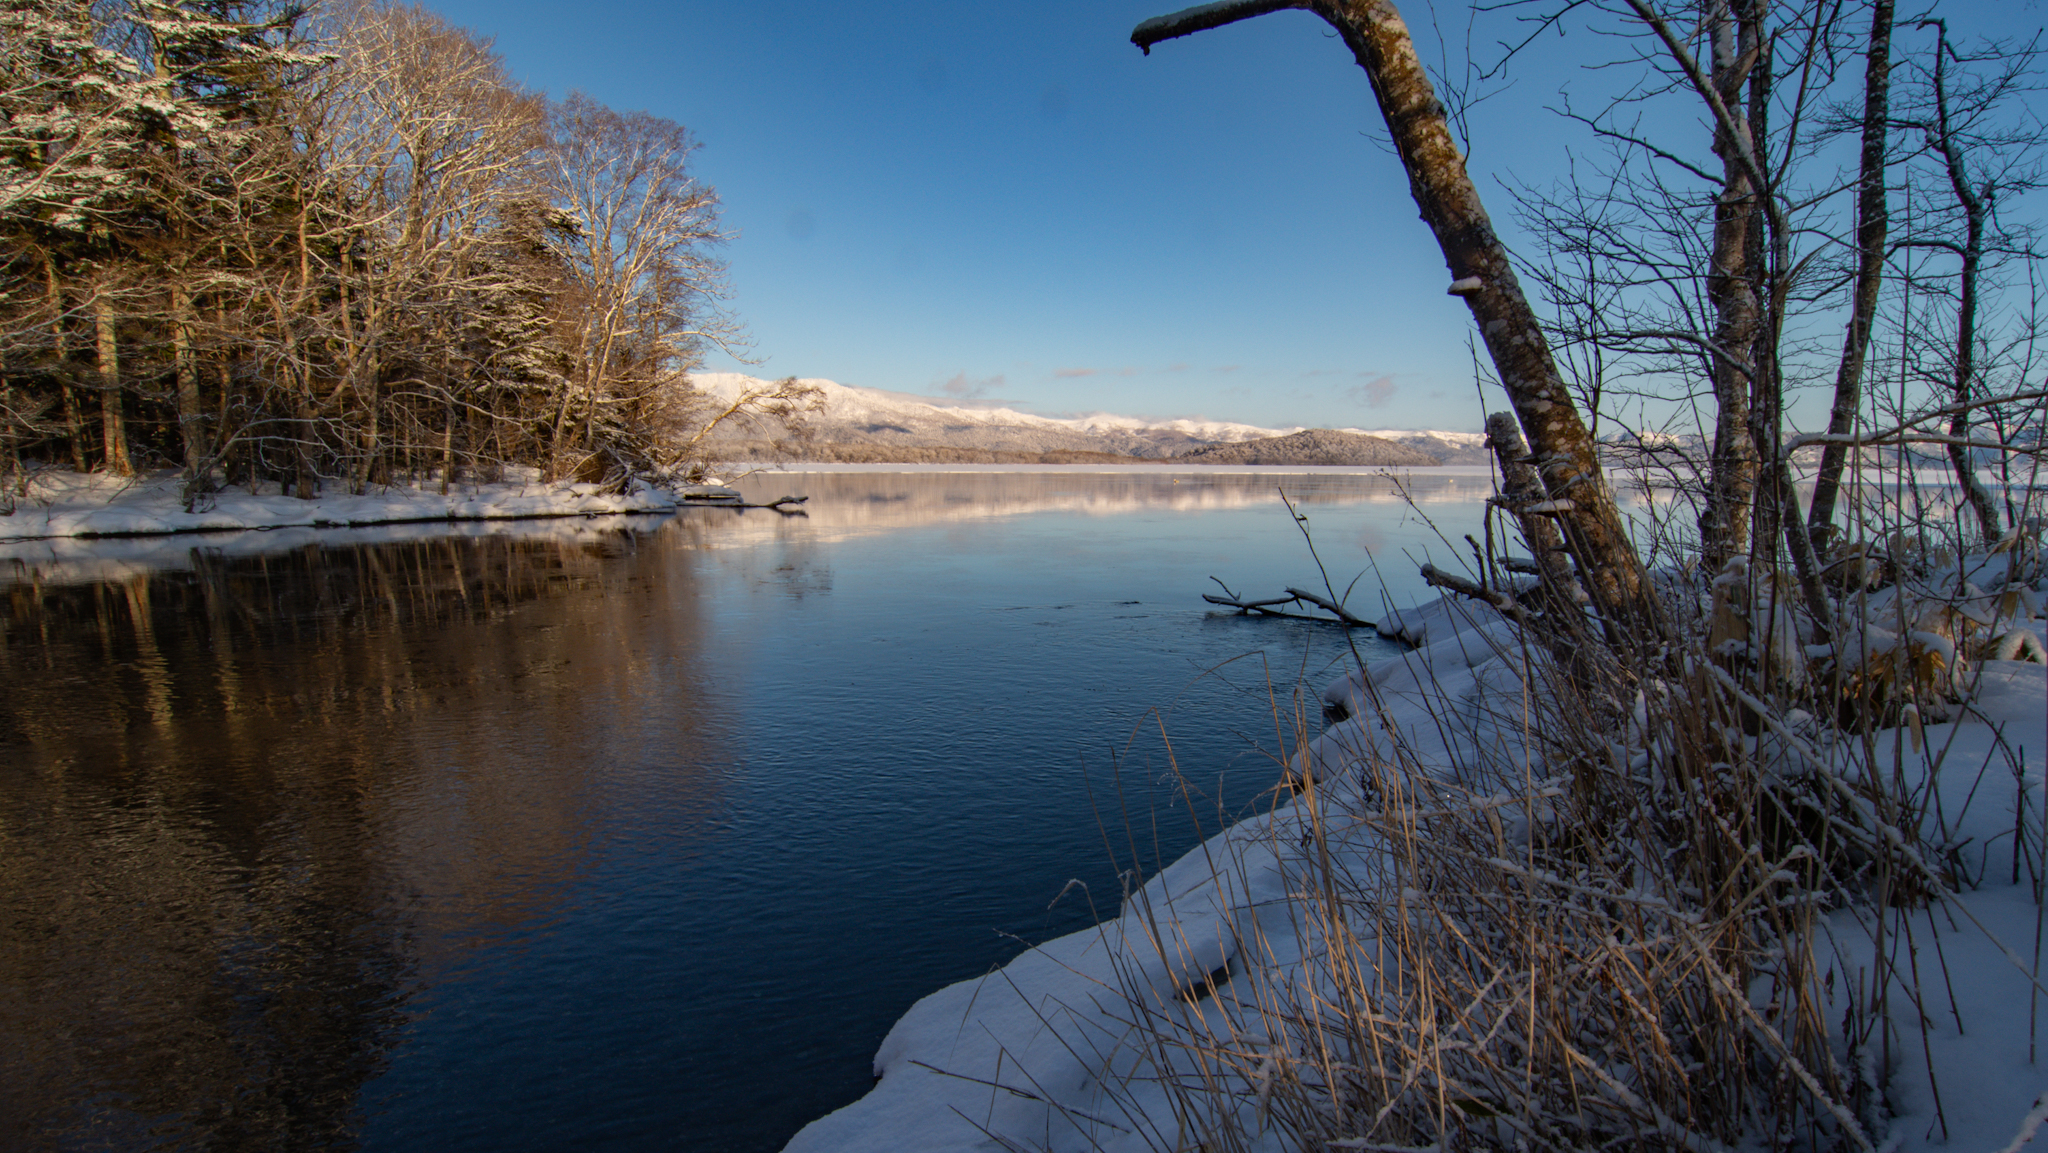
[1732,268]
[1873,223]
[1766,263]
[1561,446]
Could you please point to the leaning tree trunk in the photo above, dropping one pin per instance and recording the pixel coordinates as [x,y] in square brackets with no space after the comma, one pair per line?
[1482,275]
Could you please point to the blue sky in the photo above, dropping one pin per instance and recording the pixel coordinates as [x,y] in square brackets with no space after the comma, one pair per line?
[1010,202]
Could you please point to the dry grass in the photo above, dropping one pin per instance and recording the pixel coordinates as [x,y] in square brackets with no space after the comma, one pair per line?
[1596,915]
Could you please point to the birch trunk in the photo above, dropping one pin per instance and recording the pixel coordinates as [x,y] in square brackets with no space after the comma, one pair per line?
[10,461]
[1731,288]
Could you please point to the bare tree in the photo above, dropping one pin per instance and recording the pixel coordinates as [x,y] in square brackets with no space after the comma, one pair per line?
[635,233]
[1716,282]
[1976,153]
[425,142]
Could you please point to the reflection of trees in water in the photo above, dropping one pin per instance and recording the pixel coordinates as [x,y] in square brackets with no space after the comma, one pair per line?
[244,806]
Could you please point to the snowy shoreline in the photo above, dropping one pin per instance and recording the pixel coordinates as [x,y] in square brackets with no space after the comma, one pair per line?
[1044,1053]
[93,506]
[63,504]
[66,505]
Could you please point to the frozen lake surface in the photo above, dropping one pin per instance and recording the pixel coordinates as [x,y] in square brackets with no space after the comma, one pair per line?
[617,834]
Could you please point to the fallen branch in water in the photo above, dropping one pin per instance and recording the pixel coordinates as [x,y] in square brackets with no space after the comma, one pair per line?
[786,505]
[1294,596]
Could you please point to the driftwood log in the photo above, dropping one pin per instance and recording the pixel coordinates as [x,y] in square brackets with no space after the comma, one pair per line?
[1295,596]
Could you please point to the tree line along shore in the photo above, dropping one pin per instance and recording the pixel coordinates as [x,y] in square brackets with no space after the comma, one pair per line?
[329,247]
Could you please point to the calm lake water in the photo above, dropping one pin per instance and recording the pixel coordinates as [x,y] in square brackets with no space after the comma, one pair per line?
[634,834]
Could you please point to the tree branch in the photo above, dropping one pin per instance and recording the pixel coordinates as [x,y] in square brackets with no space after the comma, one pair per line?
[1506,605]
[1294,596]
[1204,17]
[1893,433]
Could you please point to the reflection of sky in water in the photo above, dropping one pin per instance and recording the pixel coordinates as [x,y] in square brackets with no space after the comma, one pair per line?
[579,837]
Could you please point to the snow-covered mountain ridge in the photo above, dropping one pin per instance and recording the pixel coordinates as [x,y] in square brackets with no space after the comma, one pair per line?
[855,415]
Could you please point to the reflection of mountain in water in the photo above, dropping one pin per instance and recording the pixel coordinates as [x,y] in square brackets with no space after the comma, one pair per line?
[848,503]
[223,869]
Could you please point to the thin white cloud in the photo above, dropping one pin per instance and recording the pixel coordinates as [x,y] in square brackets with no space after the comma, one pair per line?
[1375,393]
[971,388]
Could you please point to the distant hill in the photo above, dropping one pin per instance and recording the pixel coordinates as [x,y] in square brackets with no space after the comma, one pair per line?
[826,453]
[1313,446]
[870,424]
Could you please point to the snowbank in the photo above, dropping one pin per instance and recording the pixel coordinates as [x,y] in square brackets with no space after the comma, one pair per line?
[1043,1054]
[69,504]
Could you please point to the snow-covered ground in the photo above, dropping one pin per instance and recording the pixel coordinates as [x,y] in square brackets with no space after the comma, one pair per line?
[1042,1055]
[61,503]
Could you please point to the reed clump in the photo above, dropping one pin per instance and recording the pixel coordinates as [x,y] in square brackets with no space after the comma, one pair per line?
[1537,897]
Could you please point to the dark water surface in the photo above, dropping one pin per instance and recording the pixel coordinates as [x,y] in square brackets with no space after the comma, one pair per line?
[624,835]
